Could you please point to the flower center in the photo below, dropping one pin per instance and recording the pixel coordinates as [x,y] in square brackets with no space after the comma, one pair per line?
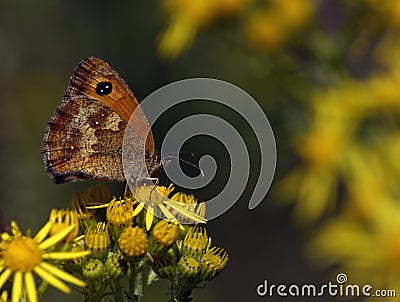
[22,254]
[133,242]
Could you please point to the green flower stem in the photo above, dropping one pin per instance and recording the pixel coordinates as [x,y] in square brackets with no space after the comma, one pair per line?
[139,285]
[178,295]
[95,291]
[131,277]
[42,288]
[117,290]
[180,292]
[142,277]
[143,264]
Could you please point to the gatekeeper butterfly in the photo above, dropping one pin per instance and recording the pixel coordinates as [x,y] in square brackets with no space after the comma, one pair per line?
[83,140]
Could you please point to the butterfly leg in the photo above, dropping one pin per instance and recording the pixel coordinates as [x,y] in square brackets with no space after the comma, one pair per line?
[136,182]
[127,191]
[155,181]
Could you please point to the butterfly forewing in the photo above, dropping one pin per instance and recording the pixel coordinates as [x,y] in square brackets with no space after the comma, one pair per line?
[96,78]
[84,138]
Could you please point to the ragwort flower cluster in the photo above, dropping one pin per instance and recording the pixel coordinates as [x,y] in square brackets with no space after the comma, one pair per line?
[113,247]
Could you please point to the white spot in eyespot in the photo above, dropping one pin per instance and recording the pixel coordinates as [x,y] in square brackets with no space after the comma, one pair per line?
[102,114]
[96,122]
[72,147]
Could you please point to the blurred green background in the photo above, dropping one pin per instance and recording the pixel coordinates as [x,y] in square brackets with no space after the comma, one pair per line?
[325,73]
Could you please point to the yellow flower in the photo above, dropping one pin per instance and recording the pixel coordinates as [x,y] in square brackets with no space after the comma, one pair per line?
[86,204]
[364,245]
[120,212]
[200,12]
[196,241]
[79,204]
[390,10]
[4,296]
[176,38]
[190,204]
[229,8]
[98,239]
[263,31]
[133,242]
[98,194]
[293,13]
[163,266]
[157,200]
[61,219]
[188,268]
[163,236]
[323,148]
[75,264]
[213,262]
[115,265]
[93,270]
[186,17]
[339,138]
[269,28]
[22,256]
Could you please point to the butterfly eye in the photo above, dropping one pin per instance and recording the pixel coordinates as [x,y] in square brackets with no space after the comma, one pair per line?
[103,88]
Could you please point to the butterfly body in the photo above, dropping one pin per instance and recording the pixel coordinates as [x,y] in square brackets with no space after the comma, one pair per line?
[84,138]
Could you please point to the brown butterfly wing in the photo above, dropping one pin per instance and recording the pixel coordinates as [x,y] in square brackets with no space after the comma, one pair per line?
[84,138]
[95,78]
[84,141]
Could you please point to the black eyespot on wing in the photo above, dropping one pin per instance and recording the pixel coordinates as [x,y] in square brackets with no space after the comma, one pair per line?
[103,88]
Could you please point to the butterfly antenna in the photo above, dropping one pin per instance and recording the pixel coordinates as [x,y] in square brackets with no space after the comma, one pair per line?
[186,162]
[180,153]
[188,153]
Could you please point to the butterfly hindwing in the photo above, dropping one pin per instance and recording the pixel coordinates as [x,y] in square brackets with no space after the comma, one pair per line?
[84,141]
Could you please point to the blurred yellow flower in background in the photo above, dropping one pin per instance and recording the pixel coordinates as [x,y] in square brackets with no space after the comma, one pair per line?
[346,136]
[267,28]
[366,248]
[186,17]
[270,27]
[342,120]
[389,9]
[346,176]
[313,184]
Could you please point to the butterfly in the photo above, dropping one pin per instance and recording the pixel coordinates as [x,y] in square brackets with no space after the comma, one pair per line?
[84,138]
